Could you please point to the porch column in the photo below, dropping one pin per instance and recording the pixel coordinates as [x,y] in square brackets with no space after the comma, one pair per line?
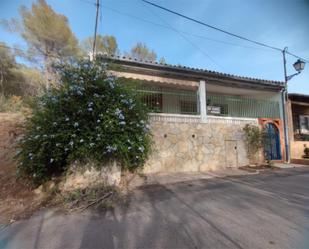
[202,96]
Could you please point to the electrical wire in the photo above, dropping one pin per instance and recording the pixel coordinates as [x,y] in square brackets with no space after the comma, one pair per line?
[297,56]
[218,29]
[204,24]
[210,26]
[187,39]
[185,32]
[182,31]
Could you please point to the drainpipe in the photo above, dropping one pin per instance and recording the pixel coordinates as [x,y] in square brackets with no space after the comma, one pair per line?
[286,129]
[284,99]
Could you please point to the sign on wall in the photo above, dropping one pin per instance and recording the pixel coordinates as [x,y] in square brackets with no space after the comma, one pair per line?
[214,109]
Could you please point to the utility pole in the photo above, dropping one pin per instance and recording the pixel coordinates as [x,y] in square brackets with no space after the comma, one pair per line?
[95,30]
[299,66]
[284,100]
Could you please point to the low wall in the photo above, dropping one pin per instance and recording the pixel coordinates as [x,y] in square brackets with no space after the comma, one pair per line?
[180,143]
[194,146]
[297,149]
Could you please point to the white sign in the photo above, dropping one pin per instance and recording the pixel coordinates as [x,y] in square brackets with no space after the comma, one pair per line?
[214,109]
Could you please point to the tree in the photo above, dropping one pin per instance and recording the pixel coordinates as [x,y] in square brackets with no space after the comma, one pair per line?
[104,44]
[47,34]
[32,81]
[16,79]
[141,52]
[162,60]
[10,78]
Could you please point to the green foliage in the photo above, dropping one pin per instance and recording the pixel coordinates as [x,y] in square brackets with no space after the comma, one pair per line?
[141,52]
[90,115]
[32,81]
[9,78]
[104,44]
[11,104]
[254,138]
[47,34]
[162,60]
[16,79]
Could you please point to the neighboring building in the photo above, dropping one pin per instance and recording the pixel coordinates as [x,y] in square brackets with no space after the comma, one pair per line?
[298,112]
[198,115]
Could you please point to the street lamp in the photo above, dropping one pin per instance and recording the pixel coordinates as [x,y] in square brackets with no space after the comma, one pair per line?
[299,66]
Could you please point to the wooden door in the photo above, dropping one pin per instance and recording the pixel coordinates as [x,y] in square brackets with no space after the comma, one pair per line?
[231,156]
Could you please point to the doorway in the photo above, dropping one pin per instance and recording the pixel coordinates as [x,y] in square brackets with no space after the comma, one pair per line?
[272,146]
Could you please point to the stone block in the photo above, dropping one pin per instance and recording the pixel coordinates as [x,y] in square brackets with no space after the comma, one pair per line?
[205,151]
[83,175]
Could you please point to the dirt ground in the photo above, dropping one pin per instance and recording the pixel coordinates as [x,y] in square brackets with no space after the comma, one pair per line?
[17,199]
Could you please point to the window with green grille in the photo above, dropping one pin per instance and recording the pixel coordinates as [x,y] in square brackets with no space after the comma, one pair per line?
[233,106]
[161,99]
[169,100]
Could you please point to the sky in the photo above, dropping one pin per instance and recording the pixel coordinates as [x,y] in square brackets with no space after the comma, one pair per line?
[279,23]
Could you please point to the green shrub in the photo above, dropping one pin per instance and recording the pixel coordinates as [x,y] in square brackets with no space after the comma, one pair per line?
[254,138]
[90,115]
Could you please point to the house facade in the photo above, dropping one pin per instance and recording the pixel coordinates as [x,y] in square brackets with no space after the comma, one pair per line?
[298,117]
[197,116]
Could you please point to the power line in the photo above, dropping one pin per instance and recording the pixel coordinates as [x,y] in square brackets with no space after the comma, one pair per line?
[210,26]
[297,57]
[218,29]
[182,31]
[201,23]
[187,39]
[167,27]
[200,36]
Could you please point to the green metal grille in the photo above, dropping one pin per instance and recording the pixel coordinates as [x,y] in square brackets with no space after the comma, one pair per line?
[233,106]
[169,100]
[179,101]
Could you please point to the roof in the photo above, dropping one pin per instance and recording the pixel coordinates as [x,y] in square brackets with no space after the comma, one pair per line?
[196,73]
[299,97]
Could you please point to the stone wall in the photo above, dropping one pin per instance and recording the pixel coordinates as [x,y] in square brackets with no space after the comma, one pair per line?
[87,174]
[195,146]
[178,146]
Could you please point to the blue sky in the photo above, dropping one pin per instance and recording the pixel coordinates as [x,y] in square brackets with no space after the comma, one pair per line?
[276,22]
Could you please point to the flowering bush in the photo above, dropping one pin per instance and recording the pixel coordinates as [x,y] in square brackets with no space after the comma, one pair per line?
[90,115]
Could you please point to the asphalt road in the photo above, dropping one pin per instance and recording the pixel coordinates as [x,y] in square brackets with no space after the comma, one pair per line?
[270,210]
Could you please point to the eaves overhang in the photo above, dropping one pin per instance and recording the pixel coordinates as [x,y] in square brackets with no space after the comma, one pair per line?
[190,74]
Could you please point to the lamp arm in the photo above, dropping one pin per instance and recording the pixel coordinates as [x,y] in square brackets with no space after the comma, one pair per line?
[291,76]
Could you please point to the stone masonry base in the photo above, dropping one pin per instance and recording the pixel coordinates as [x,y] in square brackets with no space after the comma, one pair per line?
[184,147]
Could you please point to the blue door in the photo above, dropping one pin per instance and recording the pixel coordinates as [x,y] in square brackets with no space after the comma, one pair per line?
[272,142]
